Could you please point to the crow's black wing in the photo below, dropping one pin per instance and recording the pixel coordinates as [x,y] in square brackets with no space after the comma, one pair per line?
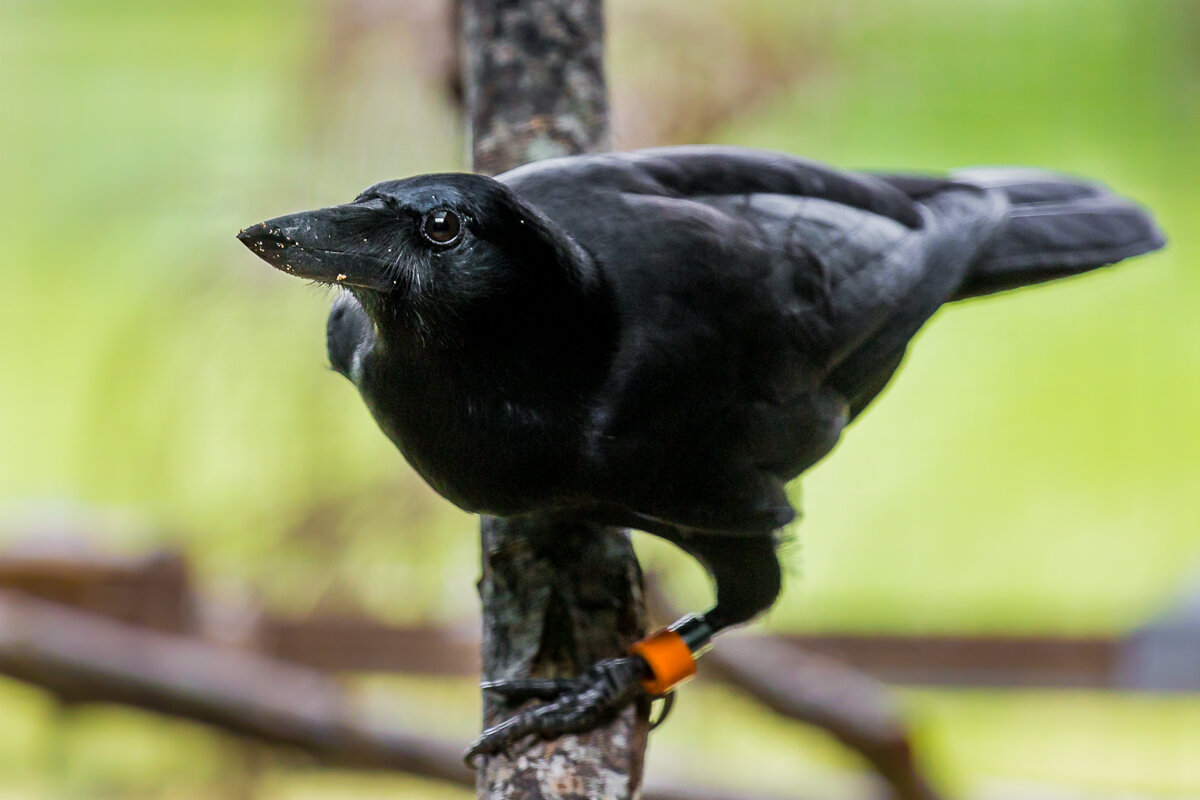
[761,297]
[713,170]
[871,257]
[844,253]
[868,283]
[879,282]
[849,265]
[961,223]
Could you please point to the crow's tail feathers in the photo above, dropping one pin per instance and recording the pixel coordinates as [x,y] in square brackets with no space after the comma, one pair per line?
[1057,226]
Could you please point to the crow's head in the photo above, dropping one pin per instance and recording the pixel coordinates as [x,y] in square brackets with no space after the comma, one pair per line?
[423,248]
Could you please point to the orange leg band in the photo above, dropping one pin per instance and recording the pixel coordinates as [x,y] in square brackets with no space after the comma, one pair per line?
[670,659]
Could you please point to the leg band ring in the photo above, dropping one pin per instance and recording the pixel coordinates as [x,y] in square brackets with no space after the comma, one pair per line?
[669,658]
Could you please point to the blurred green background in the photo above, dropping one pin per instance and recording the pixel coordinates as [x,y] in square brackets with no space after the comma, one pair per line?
[1036,467]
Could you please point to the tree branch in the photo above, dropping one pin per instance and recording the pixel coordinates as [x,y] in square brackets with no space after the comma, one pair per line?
[854,708]
[83,657]
[534,80]
[555,598]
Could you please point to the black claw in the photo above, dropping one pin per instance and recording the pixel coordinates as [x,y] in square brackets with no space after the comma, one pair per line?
[668,703]
[575,705]
[521,689]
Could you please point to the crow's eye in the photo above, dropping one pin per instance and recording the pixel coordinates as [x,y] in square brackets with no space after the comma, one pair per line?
[442,226]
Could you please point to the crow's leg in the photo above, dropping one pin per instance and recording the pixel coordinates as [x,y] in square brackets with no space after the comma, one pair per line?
[747,576]
[745,570]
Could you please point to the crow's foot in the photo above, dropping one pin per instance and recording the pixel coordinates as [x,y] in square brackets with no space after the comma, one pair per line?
[574,705]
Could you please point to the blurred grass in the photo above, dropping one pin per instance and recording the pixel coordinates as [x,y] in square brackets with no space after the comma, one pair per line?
[1033,469]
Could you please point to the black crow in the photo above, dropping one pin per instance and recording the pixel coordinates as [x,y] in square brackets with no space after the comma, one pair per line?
[662,339]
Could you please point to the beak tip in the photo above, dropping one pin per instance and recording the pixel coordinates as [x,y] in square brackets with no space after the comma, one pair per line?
[248,236]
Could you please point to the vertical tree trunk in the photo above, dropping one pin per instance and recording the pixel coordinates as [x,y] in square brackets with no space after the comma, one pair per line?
[555,598]
[534,74]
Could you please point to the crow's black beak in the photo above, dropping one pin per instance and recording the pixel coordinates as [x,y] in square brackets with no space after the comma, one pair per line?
[331,245]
